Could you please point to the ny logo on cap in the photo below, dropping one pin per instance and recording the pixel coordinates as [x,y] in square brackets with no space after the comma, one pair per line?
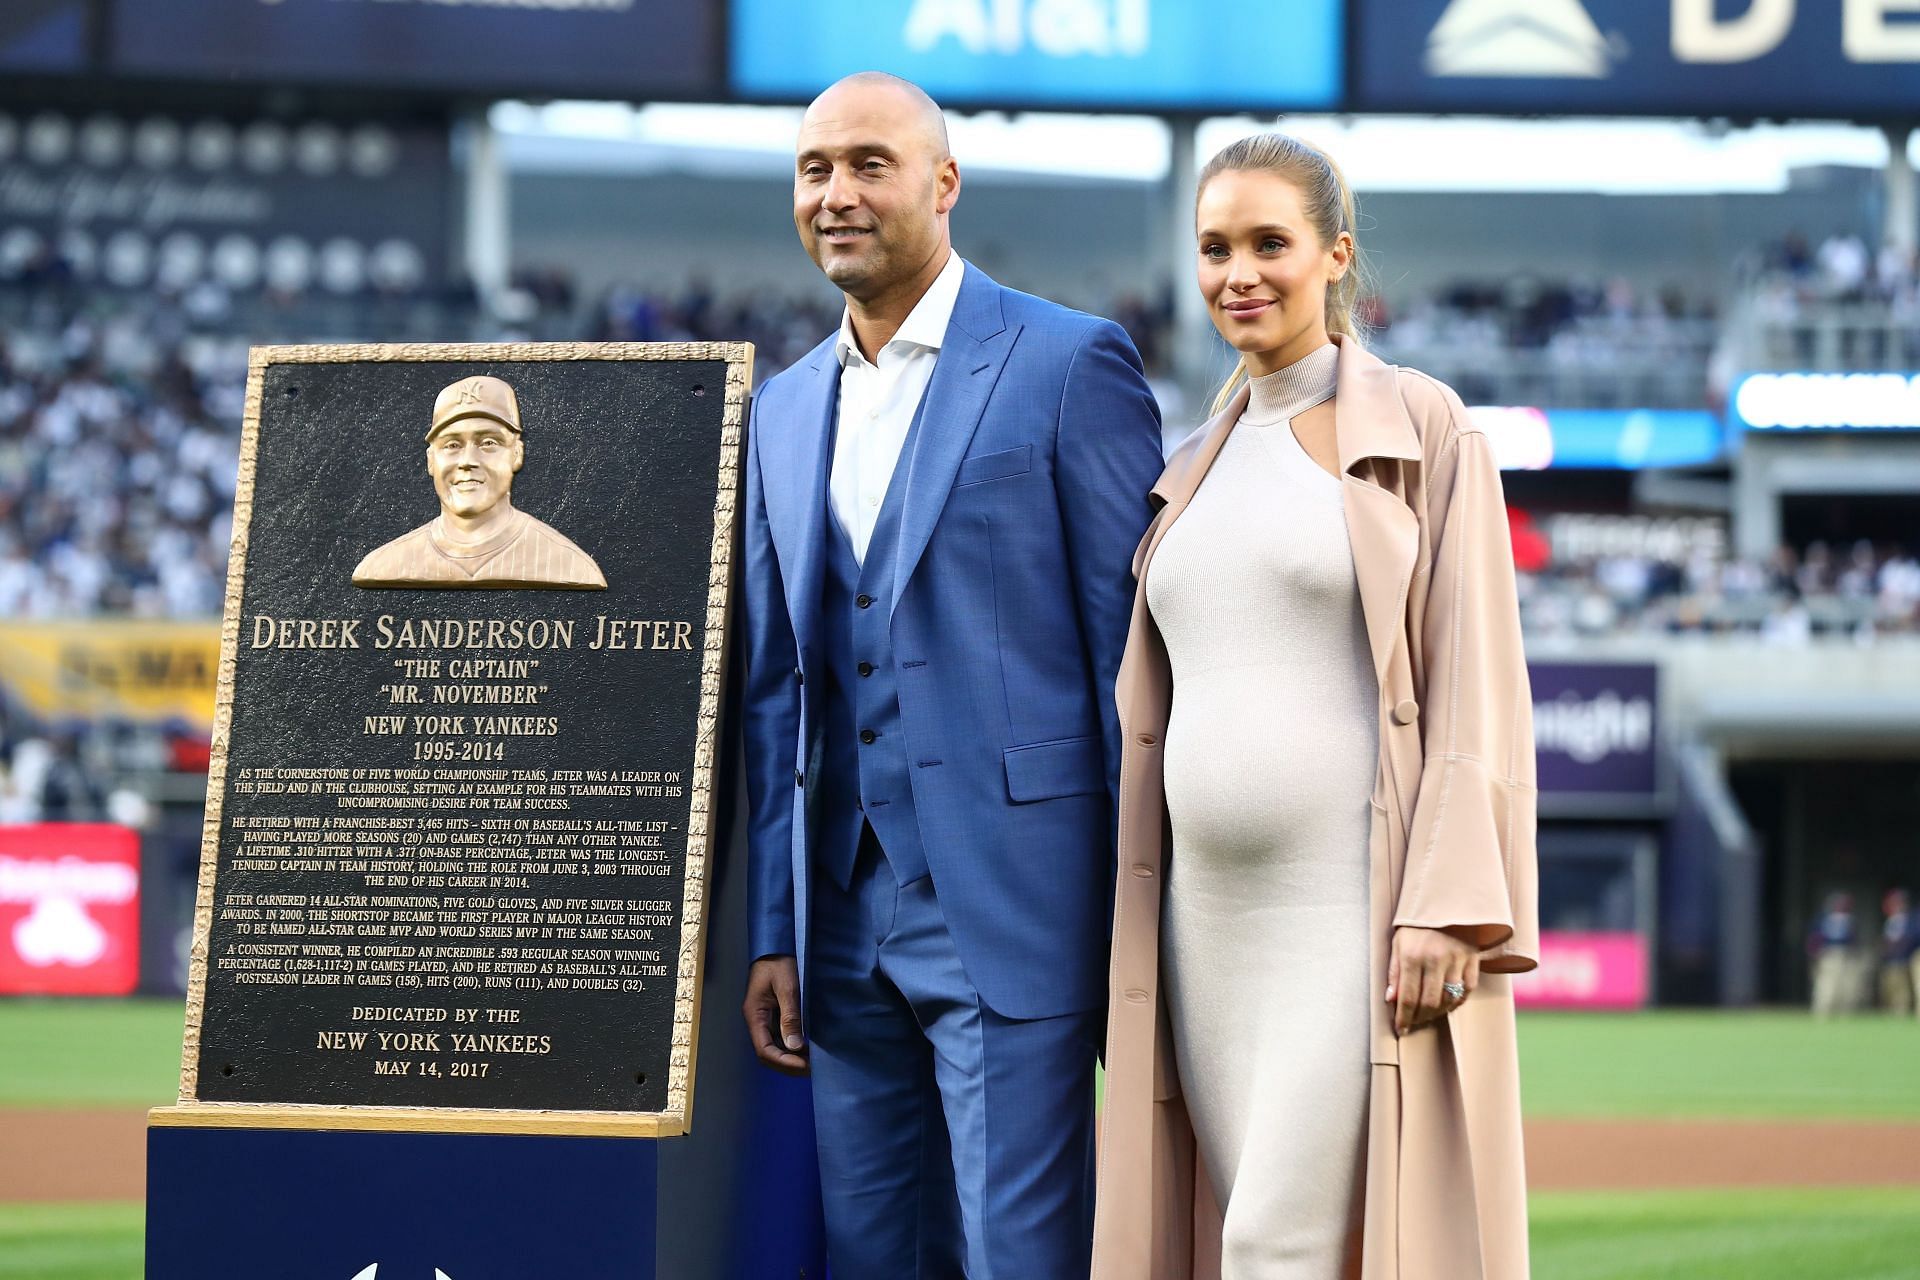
[469,392]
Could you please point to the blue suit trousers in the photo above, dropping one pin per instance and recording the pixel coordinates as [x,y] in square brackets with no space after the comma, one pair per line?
[915,1078]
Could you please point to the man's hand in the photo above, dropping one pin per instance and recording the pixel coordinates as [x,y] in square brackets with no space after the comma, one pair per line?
[772,1011]
[1424,962]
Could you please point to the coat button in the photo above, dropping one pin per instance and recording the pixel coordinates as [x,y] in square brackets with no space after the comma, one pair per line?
[864,600]
[865,668]
[868,735]
[799,778]
[1406,711]
[799,676]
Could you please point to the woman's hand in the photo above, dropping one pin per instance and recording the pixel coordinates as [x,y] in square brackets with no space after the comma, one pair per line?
[1424,962]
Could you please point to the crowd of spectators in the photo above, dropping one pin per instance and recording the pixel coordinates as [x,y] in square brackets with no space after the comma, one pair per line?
[1564,343]
[120,414]
[120,420]
[1855,593]
[117,463]
[70,771]
[1837,305]
[1842,268]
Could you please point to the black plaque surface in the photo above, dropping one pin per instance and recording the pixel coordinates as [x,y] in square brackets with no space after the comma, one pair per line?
[454,862]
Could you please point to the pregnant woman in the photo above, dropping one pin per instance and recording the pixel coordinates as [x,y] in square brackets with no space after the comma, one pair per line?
[1326,864]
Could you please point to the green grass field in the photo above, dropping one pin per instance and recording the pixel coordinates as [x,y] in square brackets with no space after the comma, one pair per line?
[89,1053]
[1792,1234]
[1692,1065]
[1721,1066]
[1680,1064]
[1692,1235]
[71,1241]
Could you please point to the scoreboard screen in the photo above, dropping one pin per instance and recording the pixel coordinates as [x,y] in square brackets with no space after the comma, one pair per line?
[490,48]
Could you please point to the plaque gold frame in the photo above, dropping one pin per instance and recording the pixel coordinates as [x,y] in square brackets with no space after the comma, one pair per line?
[677,1118]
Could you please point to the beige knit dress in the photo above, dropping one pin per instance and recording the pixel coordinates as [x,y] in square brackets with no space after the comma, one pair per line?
[1270,760]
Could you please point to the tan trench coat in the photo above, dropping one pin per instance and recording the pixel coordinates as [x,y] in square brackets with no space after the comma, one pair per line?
[1452,847]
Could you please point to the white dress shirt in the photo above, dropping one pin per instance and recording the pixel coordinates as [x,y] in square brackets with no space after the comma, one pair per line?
[877,404]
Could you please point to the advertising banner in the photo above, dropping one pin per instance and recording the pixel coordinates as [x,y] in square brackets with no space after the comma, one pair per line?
[1586,971]
[1772,58]
[1791,402]
[1675,540]
[546,48]
[155,201]
[43,36]
[1525,438]
[156,672]
[69,910]
[1594,727]
[1129,55]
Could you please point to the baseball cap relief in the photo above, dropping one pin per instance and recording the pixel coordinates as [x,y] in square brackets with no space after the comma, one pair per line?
[476,397]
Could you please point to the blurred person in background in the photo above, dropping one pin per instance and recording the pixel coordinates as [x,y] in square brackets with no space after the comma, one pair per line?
[1294,1034]
[1899,953]
[942,501]
[1830,947]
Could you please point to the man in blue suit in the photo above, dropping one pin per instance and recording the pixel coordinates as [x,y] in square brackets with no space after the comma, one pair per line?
[943,500]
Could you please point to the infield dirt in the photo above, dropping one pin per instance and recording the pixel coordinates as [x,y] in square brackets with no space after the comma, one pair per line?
[101,1155]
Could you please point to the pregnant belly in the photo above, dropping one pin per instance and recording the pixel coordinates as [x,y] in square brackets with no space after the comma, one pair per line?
[1259,771]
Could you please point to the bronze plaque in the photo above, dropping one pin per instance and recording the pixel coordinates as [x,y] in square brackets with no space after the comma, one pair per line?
[458,816]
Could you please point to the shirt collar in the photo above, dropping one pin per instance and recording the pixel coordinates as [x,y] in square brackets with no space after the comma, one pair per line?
[925,326]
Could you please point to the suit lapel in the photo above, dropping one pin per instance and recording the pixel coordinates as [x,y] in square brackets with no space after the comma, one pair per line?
[972,354]
[797,461]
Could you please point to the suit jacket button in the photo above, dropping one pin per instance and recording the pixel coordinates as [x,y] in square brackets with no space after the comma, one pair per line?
[1406,711]
[799,778]
[868,735]
[863,600]
[799,676]
[865,668]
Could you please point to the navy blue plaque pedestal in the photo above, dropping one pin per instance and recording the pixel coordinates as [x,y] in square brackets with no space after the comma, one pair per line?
[304,1205]
[329,1206]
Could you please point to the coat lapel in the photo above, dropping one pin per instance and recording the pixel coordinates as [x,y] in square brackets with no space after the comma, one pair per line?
[972,354]
[1371,423]
[796,462]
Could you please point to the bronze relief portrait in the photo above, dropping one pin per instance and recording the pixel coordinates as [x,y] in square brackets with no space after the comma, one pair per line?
[480,539]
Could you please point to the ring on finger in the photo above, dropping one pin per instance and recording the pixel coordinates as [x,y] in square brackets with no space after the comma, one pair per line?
[1455,991]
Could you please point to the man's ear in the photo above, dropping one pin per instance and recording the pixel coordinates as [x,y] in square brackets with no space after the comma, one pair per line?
[519,454]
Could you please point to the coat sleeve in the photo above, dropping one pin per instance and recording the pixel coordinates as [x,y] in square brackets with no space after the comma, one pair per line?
[1106,460]
[1470,852]
[771,715]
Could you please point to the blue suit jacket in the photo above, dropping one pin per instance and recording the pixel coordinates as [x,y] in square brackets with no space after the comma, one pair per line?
[1026,497]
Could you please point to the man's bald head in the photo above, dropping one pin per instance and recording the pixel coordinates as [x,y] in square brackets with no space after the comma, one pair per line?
[873,184]
[920,106]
